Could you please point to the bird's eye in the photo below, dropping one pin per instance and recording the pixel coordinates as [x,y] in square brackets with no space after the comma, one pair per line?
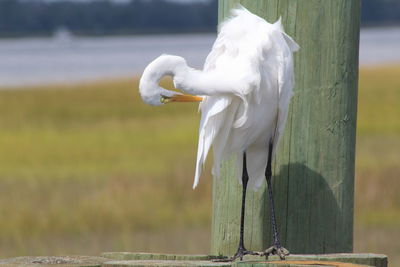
[164,99]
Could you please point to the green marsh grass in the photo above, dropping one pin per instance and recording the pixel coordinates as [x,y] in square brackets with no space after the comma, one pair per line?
[89,168]
[377,203]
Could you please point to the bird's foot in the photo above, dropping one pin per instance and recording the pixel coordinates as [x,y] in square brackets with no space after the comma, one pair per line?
[276,250]
[240,253]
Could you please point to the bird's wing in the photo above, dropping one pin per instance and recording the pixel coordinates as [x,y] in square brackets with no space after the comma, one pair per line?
[285,79]
[239,61]
[235,62]
[213,115]
[278,50]
[212,120]
[217,50]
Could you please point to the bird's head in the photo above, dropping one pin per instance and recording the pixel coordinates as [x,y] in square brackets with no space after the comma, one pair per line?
[149,88]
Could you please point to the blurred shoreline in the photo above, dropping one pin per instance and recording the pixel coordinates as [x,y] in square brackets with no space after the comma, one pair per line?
[68,59]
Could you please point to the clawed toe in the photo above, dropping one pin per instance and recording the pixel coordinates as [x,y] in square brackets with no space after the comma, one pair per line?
[276,250]
[239,255]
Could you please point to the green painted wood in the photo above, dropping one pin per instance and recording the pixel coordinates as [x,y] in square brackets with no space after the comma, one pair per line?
[364,259]
[157,256]
[154,263]
[163,263]
[59,261]
[148,259]
[314,168]
[302,263]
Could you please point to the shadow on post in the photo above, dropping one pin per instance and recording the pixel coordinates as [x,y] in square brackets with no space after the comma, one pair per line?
[310,219]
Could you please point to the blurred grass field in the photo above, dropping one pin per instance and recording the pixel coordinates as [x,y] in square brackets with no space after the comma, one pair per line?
[89,168]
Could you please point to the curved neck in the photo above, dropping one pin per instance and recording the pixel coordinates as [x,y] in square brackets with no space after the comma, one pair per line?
[165,66]
[186,79]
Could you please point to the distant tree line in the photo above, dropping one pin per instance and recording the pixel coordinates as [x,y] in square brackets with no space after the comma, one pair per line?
[38,17]
[380,12]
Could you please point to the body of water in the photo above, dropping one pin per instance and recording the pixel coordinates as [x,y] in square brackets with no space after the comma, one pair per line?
[31,61]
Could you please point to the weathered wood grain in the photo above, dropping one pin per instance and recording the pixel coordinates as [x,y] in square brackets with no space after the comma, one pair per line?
[300,263]
[314,168]
[164,263]
[147,259]
[155,263]
[157,256]
[363,259]
[59,261]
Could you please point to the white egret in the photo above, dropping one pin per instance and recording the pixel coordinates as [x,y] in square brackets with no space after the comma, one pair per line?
[244,89]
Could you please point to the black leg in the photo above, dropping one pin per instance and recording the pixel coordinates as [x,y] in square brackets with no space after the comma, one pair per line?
[276,248]
[242,251]
[268,175]
[245,179]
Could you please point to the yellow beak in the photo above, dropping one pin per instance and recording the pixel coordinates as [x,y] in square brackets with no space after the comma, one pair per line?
[180,98]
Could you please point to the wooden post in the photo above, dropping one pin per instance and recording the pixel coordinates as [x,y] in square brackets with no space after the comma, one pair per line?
[125,259]
[314,168]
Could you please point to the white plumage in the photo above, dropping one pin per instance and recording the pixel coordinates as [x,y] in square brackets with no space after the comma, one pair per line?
[246,85]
